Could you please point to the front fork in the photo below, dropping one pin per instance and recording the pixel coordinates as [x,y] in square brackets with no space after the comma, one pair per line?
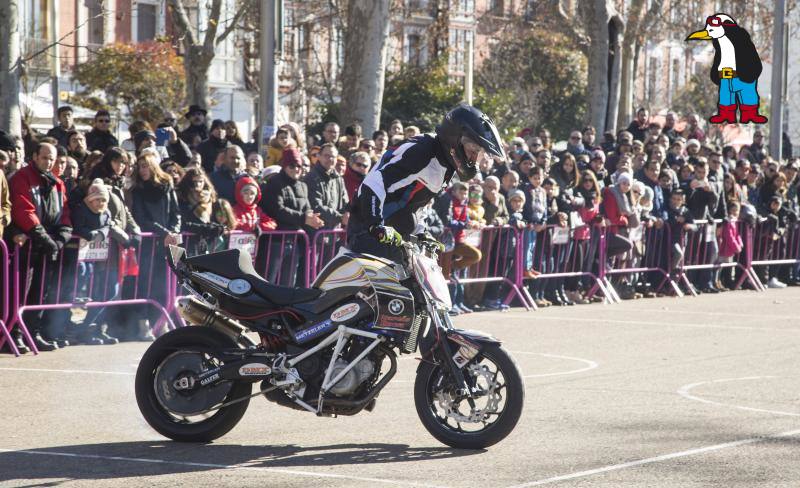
[441,324]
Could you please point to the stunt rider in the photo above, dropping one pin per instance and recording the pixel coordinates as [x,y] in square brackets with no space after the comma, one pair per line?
[407,178]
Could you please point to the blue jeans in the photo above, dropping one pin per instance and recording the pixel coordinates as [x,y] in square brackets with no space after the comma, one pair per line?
[731,88]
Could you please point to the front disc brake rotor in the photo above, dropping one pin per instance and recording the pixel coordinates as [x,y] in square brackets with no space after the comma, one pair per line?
[487,389]
[176,369]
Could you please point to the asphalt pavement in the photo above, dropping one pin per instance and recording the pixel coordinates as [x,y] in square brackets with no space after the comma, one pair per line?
[654,393]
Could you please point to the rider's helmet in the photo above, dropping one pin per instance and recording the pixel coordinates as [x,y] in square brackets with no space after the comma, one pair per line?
[468,135]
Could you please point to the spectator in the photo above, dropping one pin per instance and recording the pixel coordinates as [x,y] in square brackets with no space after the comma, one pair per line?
[510,182]
[692,129]
[249,217]
[197,130]
[588,138]
[356,172]
[286,201]
[5,199]
[155,208]
[171,120]
[543,160]
[544,136]
[232,134]
[730,243]
[524,166]
[411,131]
[330,133]
[381,139]
[639,126]
[198,203]
[597,165]
[757,149]
[565,172]
[475,209]
[649,176]
[254,165]
[367,146]
[486,166]
[211,147]
[669,128]
[340,166]
[463,255]
[534,145]
[68,174]
[395,128]
[133,129]
[224,178]
[297,135]
[277,145]
[100,137]
[76,147]
[30,140]
[173,170]
[609,142]
[352,138]
[618,209]
[494,204]
[778,218]
[575,144]
[176,149]
[61,131]
[326,189]
[39,212]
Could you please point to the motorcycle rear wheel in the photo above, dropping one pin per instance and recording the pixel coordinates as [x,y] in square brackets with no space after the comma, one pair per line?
[434,383]
[187,340]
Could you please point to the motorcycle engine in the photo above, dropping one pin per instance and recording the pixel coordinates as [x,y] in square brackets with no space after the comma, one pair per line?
[355,377]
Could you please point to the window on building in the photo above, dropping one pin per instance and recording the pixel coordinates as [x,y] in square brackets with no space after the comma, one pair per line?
[459,41]
[414,52]
[496,7]
[95,22]
[463,7]
[146,21]
[37,16]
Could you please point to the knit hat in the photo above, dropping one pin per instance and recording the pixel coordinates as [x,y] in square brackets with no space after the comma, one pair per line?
[598,154]
[516,194]
[270,170]
[693,142]
[96,190]
[141,136]
[7,142]
[624,178]
[291,156]
[217,124]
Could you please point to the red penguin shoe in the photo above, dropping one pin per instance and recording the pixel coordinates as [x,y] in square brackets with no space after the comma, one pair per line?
[750,114]
[727,114]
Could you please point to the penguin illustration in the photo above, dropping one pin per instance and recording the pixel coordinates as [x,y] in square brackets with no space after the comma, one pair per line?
[735,70]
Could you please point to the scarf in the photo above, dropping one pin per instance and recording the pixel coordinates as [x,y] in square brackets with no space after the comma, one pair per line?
[623,204]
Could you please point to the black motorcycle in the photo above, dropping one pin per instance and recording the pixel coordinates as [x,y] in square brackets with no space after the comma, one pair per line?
[328,350]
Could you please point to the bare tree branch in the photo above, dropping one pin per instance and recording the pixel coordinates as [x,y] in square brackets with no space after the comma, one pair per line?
[234,22]
[181,20]
[213,24]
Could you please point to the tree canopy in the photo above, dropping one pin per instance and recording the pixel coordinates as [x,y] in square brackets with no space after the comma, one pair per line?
[143,79]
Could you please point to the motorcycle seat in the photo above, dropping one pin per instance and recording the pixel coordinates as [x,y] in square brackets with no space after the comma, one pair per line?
[235,264]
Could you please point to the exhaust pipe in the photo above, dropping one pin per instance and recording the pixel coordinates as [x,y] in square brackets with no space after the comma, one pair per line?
[196,312]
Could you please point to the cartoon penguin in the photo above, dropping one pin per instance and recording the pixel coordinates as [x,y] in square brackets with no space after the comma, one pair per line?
[736,69]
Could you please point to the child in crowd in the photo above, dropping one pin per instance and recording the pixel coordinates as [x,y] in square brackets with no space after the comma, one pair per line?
[463,255]
[773,240]
[249,216]
[679,220]
[475,208]
[730,244]
[535,214]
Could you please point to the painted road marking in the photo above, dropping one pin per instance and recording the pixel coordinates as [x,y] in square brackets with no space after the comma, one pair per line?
[684,392]
[218,466]
[588,362]
[656,459]
[74,371]
[727,314]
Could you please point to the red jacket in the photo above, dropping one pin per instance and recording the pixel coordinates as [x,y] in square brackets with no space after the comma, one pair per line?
[248,217]
[30,208]
[352,181]
[613,214]
[460,219]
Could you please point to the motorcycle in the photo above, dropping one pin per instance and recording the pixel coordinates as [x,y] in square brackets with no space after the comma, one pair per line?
[328,350]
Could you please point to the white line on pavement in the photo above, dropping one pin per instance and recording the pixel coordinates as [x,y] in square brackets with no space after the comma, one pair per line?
[727,314]
[658,324]
[656,459]
[218,466]
[684,392]
[588,362]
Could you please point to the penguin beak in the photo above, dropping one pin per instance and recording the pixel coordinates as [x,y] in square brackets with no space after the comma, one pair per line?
[701,35]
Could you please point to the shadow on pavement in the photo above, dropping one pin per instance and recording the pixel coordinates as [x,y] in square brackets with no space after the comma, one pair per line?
[129,459]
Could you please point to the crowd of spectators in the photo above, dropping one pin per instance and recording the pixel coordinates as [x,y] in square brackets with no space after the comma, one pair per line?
[206,180]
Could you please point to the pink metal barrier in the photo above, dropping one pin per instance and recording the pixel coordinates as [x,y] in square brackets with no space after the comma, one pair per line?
[8,305]
[651,253]
[84,275]
[500,263]
[561,254]
[774,247]
[326,244]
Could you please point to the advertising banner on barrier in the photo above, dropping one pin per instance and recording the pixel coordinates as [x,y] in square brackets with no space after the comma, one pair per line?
[89,251]
[244,242]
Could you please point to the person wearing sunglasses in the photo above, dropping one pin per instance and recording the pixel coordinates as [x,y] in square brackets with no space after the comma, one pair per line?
[357,170]
[100,137]
[384,208]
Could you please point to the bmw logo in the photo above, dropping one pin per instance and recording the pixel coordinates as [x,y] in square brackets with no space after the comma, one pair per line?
[396,306]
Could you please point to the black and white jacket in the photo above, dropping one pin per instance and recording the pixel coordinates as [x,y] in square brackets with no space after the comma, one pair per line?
[404,181]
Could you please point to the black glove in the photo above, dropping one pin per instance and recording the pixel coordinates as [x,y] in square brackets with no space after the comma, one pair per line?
[134,241]
[386,235]
[43,242]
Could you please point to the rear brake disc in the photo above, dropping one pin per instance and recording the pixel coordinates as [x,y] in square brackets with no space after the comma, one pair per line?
[186,365]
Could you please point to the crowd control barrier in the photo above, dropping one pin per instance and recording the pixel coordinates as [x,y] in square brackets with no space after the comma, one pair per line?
[326,244]
[774,248]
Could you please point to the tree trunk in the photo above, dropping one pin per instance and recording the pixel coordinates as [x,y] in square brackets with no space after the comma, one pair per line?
[365,43]
[196,64]
[615,28]
[597,30]
[627,74]
[10,117]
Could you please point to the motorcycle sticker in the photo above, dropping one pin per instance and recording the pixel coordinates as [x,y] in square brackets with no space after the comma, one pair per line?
[214,278]
[208,380]
[396,306]
[389,322]
[345,312]
[254,369]
[313,331]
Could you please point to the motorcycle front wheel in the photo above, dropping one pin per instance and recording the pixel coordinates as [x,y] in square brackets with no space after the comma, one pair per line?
[182,414]
[478,420]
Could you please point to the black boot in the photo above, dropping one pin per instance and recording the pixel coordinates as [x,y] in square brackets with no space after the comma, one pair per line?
[102,334]
[86,334]
[42,345]
[16,337]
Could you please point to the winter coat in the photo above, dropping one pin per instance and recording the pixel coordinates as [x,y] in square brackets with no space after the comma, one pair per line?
[190,222]
[192,131]
[5,204]
[730,242]
[208,150]
[274,154]
[61,134]
[225,183]
[286,201]
[476,213]
[39,204]
[352,181]
[535,209]
[459,220]
[89,225]
[327,195]
[702,203]
[496,214]
[97,140]
[616,215]
[431,222]
[251,218]
[155,208]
